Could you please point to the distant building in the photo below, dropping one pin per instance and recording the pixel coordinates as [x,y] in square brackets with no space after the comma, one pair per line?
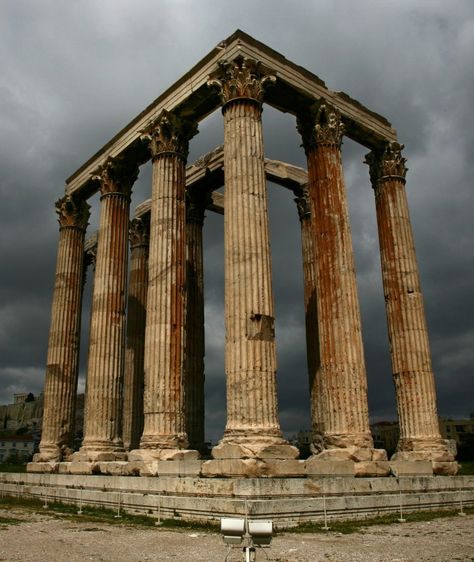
[456,429]
[387,433]
[20,397]
[18,447]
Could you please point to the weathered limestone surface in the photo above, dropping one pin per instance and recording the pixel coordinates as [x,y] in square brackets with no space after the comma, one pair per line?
[134,352]
[342,368]
[164,423]
[103,406]
[408,334]
[64,335]
[252,418]
[164,432]
[303,202]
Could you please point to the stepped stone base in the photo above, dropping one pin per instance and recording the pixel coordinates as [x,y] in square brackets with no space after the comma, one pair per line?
[287,501]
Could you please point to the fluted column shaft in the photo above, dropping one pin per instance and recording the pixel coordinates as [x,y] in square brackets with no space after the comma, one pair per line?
[64,335]
[136,318]
[194,362]
[103,407]
[253,428]
[164,420]
[341,349]
[407,329]
[303,202]
[250,357]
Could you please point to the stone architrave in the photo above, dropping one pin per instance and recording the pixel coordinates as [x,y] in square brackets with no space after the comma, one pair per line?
[136,317]
[164,432]
[103,402]
[342,367]
[196,203]
[303,203]
[64,335]
[252,428]
[420,437]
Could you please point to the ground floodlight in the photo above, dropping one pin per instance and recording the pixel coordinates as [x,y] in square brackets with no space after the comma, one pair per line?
[261,532]
[232,530]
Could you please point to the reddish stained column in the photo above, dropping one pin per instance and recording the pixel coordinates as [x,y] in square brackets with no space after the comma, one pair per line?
[103,405]
[342,368]
[136,318]
[64,335]
[408,334]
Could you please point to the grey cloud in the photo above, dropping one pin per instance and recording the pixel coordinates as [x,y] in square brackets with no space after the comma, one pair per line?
[74,73]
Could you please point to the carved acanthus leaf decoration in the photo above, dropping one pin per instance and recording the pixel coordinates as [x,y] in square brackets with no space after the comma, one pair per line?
[139,232]
[241,78]
[303,202]
[321,125]
[169,133]
[386,163]
[116,175]
[72,212]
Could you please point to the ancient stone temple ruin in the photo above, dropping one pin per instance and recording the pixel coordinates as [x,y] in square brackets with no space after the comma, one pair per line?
[144,412]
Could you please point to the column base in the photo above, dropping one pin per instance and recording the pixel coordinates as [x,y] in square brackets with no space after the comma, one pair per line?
[52,453]
[342,441]
[149,455]
[419,449]
[246,448]
[349,461]
[355,454]
[43,467]
[86,455]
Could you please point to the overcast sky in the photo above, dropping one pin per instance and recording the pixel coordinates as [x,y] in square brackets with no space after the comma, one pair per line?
[74,73]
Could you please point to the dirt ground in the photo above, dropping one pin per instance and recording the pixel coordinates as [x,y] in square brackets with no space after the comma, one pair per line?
[40,537]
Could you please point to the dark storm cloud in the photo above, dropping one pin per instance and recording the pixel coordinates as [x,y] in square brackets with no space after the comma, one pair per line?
[74,73]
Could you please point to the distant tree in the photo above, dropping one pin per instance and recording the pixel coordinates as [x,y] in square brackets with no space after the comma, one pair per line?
[21,431]
[30,397]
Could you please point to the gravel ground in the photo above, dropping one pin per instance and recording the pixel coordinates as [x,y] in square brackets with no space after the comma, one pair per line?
[42,537]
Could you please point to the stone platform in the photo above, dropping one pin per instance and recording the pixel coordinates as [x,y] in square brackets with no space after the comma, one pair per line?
[287,501]
[189,465]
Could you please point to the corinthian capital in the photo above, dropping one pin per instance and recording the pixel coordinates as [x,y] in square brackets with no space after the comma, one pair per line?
[116,175]
[303,202]
[386,163]
[241,78]
[169,133]
[72,212]
[321,125]
[139,232]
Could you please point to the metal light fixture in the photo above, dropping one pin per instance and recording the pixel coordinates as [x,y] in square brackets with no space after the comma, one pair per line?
[248,534]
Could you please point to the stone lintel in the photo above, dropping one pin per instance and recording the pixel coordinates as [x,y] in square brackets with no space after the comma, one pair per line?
[209,173]
[294,86]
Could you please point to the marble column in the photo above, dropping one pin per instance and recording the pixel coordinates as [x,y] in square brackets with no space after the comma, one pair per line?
[409,345]
[64,336]
[303,203]
[103,403]
[342,364]
[196,202]
[136,317]
[164,433]
[253,428]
